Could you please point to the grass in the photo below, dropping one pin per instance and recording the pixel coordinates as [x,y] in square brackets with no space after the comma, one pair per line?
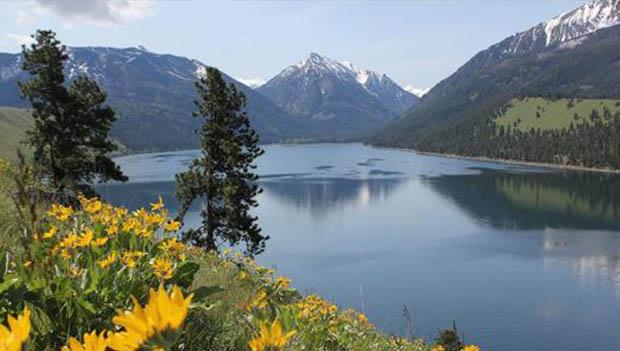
[7,210]
[534,112]
[13,125]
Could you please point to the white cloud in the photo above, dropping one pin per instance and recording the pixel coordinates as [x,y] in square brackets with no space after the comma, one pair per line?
[12,42]
[252,82]
[18,39]
[417,91]
[102,12]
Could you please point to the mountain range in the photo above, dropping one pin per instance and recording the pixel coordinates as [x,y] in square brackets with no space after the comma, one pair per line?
[153,93]
[337,96]
[573,55]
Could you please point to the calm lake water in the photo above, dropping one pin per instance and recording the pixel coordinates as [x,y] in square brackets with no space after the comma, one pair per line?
[521,258]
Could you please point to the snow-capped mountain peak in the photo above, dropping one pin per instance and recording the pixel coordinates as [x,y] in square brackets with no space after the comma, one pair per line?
[322,88]
[565,30]
[592,16]
[373,82]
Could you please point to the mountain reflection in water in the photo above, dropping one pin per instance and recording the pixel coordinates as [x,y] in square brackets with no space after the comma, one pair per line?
[316,195]
[522,258]
[528,200]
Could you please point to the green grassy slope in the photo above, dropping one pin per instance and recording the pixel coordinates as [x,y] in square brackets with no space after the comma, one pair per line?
[546,114]
[13,124]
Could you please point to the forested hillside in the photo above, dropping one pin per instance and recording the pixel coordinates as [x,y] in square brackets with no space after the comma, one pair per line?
[457,115]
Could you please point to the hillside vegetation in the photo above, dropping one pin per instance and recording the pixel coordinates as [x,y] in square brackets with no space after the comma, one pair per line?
[546,114]
[89,268]
[13,125]
[457,115]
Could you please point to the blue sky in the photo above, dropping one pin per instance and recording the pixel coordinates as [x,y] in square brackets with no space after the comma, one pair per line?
[416,43]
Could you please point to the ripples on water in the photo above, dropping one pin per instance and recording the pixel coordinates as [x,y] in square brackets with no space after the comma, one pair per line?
[522,258]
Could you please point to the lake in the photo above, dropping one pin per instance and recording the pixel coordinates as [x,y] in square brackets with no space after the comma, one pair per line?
[521,258]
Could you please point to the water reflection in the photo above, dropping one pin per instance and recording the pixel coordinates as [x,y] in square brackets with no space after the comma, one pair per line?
[530,200]
[521,258]
[318,196]
[594,256]
[137,195]
[321,196]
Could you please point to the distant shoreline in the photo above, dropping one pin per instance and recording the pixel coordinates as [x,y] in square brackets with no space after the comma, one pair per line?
[428,153]
[511,162]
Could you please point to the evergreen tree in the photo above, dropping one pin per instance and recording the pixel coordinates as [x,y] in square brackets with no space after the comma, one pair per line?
[223,177]
[71,125]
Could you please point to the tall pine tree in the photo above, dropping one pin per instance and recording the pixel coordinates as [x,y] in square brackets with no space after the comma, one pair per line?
[71,125]
[223,177]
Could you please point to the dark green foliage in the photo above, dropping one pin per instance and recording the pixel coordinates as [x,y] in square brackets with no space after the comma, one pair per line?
[594,144]
[456,116]
[449,339]
[71,125]
[224,176]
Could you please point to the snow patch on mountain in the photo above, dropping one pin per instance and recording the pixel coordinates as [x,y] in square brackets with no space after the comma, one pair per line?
[252,82]
[565,28]
[419,92]
[592,16]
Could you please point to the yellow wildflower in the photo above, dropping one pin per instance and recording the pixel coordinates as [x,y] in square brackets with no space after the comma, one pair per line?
[363,320]
[162,268]
[14,337]
[172,226]
[129,258]
[471,348]
[271,338]
[64,253]
[86,238]
[50,233]
[157,205]
[130,224]
[108,260]
[243,275]
[163,313]
[314,307]
[173,247]
[112,229]
[91,206]
[259,302]
[284,282]
[70,242]
[438,348]
[92,342]
[100,241]
[60,212]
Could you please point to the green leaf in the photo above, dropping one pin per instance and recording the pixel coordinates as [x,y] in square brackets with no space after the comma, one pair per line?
[87,306]
[41,321]
[7,284]
[185,274]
